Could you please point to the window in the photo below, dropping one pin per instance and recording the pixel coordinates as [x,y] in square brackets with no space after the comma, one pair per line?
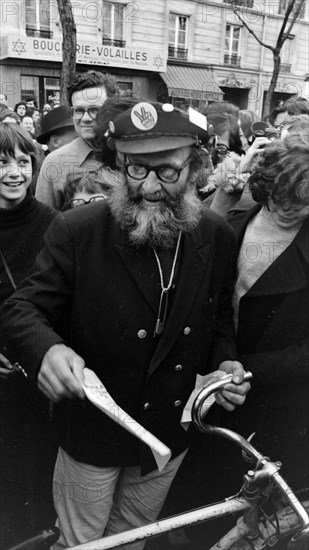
[232,45]
[242,3]
[177,39]
[125,89]
[38,18]
[30,86]
[285,65]
[283,5]
[113,24]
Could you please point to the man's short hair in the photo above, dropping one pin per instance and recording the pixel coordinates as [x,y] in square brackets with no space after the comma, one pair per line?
[32,98]
[93,79]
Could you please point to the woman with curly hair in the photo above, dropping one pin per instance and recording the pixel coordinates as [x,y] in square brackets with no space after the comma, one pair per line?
[271,304]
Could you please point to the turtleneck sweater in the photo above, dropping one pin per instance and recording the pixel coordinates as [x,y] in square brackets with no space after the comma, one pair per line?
[21,238]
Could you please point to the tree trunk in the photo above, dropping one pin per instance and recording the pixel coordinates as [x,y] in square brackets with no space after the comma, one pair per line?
[273,83]
[68,48]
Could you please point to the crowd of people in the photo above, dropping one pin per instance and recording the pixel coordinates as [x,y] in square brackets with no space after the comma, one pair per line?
[188,256]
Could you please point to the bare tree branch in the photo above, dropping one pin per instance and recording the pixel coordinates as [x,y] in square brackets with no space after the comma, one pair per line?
[251,31]
[295,16]
[294,7]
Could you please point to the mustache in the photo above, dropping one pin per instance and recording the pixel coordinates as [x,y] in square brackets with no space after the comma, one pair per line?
[158,225]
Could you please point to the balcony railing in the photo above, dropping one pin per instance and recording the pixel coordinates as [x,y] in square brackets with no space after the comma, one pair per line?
[177,53]
[39,33]
[116,43]
[285,67]
[232,60]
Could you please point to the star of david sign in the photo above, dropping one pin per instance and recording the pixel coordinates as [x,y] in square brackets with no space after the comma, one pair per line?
[158,61]
[19,47]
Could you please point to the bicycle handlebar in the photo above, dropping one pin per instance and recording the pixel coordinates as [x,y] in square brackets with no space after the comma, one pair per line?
[247,447]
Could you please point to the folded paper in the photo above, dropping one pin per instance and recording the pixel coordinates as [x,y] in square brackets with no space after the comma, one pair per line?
[99,396]
[200,382]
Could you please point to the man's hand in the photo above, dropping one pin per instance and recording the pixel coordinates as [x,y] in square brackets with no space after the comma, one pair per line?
[6,368]
[234,393]
[61,374]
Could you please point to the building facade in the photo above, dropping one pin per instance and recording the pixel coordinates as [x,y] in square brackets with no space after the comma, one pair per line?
[185,51]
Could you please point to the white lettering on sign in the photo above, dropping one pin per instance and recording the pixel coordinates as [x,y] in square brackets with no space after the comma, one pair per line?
[43,48]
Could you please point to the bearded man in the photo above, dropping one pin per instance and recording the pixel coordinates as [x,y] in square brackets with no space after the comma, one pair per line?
[137,289]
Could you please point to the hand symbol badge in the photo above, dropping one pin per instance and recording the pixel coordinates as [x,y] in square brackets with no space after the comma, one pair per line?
[144,116]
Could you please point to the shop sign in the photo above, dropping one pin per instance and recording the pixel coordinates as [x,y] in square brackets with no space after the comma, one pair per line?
[192,94]
[24,47]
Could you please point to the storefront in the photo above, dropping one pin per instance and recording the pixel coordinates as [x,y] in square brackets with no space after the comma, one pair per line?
[32,66]
[190,86]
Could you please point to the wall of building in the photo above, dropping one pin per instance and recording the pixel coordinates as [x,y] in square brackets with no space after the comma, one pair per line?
[146,26]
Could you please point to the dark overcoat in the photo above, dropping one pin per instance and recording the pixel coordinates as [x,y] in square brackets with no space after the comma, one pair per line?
[273,343]
[93,290]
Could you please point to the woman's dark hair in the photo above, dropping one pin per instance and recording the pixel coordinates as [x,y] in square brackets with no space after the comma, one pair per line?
[282,173]
[247,118]
[223,107]
[11,136]
[18,104]
[222,122]
[274,113]
[296,106]
[93,79]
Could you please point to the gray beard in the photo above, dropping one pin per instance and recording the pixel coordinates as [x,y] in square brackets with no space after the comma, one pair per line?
[155,226]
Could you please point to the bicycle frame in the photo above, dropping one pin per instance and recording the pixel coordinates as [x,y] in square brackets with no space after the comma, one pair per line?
[265,471]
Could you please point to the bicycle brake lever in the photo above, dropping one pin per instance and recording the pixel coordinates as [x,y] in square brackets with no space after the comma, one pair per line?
[245,455]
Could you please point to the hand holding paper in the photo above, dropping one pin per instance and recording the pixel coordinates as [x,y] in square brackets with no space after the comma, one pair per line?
[99,396]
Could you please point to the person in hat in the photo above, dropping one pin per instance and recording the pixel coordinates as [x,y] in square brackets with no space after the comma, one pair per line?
[137,288]
[87,94]
[57,128]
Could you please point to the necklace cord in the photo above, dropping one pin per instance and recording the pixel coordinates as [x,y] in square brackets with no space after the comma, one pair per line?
[164,290]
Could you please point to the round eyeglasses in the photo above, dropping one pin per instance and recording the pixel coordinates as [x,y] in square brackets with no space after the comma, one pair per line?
[80,202]
[78,112]
[165,173]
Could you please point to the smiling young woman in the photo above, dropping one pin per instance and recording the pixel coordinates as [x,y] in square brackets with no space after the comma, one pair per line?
[23,221]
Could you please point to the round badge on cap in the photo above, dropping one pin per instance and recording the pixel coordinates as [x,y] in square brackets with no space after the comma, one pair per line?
[111,126]
[144,116]
[167,107]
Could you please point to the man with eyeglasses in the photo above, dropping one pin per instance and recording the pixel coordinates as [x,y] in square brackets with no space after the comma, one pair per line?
[87,94]
[138,289]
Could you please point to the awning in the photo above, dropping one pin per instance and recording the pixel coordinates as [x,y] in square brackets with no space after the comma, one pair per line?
[191,83]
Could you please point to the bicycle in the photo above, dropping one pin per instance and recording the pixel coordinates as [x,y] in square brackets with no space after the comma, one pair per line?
[251,530]
[255,529]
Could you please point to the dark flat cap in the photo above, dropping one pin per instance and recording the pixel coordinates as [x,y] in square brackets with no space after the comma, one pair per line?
[55,120]
[152,127]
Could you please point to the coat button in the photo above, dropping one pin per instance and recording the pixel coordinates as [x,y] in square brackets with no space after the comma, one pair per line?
[178,367]
[146,406]
[187,331]
[177,403]
[142,333]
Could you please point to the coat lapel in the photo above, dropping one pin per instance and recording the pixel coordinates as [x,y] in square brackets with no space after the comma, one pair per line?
[192,273]
[286,273]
